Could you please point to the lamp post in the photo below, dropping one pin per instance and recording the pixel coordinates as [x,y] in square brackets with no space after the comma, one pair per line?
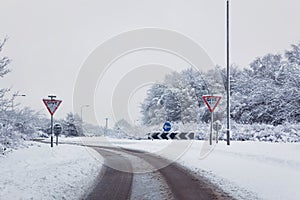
[13,98]
[228,74]
[106,125]
[81,108]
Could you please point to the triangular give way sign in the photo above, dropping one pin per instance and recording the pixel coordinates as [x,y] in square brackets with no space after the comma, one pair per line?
[52,105]
[212,102]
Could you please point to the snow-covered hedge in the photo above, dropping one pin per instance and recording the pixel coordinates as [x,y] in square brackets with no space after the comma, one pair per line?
[10,138]
[241,132]
[262,132]
[17,127]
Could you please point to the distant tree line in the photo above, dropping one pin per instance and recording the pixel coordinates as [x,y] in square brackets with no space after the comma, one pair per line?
[267,91]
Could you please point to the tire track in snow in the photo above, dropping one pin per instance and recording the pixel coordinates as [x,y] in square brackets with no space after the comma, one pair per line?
[114,184]
[174,181]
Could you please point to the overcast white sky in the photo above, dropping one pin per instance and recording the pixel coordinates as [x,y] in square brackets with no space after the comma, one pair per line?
[50,40]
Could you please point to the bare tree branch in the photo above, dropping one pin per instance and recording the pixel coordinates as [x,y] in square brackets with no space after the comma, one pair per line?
[3,61]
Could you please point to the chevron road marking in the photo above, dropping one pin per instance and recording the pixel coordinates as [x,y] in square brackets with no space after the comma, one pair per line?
[172,135]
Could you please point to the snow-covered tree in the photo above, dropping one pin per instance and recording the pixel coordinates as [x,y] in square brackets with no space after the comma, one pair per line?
[179,97]
[72,125]
[153,106]
[293,55]
[267,92]
[4,61]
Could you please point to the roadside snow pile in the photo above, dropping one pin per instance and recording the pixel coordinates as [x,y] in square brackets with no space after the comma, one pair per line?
[42,172]
[250,170]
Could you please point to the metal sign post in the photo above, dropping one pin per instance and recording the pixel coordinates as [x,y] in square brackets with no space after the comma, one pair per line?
[212,103]
[211,128]
[52,105]
[217,125]
[51,130]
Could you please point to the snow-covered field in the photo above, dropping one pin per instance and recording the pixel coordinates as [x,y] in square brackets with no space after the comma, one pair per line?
[41,172]
[246,170]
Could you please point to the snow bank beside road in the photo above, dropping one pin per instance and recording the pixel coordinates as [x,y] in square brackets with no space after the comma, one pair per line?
[251,170]
[246,170]
[41,172]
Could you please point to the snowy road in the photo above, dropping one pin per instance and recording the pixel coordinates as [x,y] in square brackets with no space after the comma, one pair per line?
[174,182]
[112,184]
[244,170]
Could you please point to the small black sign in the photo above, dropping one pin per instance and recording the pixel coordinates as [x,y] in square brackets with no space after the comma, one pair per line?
[57,129]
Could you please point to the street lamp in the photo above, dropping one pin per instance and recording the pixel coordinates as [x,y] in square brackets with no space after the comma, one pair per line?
[13,98]
[106,123]
[228,73]
[106,126]
[83,106]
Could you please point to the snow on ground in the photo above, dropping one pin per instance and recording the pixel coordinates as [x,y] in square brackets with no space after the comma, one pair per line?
[245,170]
[41,172]
[144,184]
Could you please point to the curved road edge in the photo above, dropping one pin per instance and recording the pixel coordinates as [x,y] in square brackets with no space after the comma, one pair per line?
[183,183]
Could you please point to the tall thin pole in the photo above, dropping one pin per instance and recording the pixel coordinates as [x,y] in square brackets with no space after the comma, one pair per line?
[81,111]
[228,80]
[81,108]
[57,140]
[106,125]
[51,130]
[211,128]
[52,97]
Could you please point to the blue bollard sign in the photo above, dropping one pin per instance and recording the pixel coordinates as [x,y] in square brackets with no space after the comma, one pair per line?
[167,126]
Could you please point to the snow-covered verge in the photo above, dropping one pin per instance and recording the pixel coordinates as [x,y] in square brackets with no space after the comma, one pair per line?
[245,170]
[11,138]
[41,172]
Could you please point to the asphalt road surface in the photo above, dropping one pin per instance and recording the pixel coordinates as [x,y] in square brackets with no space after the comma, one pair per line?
[114,183]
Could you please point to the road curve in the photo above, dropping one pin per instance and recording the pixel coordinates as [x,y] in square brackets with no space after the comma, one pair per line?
[113,184]
[116,184]
[183,185]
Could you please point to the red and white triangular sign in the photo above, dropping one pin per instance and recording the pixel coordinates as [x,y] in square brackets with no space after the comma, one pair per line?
[212,102]
[52,105]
